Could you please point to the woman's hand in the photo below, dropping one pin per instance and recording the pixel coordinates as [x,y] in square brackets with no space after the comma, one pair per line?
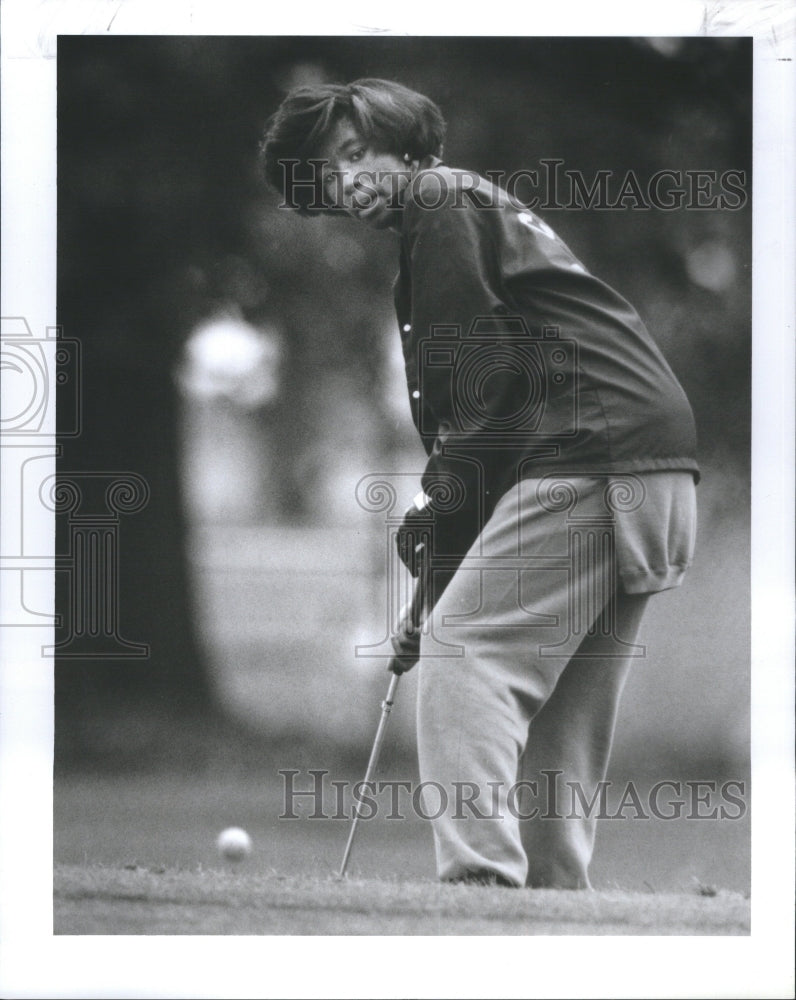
[405,642]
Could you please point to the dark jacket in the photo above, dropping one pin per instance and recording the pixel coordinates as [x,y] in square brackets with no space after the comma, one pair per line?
[519,362]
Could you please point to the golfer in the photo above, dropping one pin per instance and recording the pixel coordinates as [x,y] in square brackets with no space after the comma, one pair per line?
[560,482]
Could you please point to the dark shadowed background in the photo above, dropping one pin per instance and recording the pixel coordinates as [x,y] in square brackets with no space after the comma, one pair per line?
[244,363]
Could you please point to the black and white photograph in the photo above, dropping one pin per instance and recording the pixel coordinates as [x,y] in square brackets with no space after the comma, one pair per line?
[397,485]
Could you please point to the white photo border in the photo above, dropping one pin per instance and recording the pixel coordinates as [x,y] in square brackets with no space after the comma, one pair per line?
[35,963]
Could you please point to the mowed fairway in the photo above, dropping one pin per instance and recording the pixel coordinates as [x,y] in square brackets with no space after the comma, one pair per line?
[136,855]
[102,900]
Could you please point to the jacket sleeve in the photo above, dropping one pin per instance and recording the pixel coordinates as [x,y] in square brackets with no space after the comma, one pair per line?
[469,384]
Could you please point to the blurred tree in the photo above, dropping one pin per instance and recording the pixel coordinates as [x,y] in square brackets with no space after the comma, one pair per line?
[154,171]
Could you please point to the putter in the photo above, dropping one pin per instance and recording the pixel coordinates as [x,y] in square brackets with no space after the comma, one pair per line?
[397,666]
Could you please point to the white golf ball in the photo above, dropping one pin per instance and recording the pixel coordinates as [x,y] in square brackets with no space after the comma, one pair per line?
[234,844]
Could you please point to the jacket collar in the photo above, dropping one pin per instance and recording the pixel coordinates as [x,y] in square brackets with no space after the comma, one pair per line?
[427,163]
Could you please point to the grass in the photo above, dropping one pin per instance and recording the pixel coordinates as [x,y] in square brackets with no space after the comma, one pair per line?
[100,899]
[136,854]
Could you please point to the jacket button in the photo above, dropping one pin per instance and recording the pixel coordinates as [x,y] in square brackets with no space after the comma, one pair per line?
[416,394]
[407,327]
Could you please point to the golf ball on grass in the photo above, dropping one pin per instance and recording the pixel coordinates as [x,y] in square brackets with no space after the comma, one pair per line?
[234,844]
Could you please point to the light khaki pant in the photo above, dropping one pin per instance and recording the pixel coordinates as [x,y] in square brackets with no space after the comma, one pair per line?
[521,674]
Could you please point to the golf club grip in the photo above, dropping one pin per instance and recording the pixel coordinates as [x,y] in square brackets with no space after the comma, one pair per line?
[415,612]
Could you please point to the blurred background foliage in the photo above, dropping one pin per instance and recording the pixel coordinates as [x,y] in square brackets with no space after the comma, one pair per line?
[245,361]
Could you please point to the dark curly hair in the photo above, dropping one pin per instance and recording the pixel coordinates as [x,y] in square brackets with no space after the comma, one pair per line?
[394,118]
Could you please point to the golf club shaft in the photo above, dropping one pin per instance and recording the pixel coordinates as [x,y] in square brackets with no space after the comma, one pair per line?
[416,616]
[386,706]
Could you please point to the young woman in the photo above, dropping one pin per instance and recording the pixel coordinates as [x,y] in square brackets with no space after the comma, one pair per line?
[560,480]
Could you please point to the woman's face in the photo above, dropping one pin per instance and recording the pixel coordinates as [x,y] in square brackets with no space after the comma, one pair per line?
[368,185]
